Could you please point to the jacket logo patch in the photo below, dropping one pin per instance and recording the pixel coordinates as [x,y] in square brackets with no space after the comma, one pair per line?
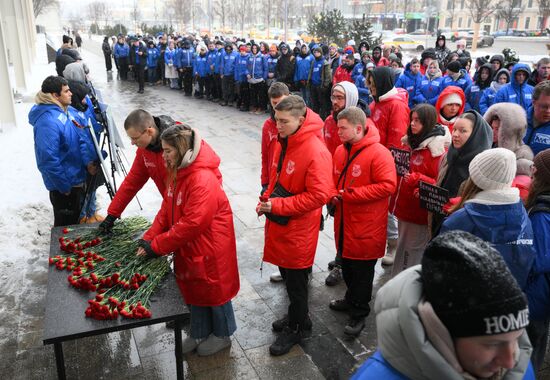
[149,164]
[376,115]
[356,170]
[290,166]
[542,138]
[417,161]
[272,136]
[178,200]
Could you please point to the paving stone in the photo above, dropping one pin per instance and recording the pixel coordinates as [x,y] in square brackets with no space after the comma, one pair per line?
[239,368]
[254,320]
[198,364]
[154,339]
[39,364]
[333,359]
[260,356]
[297,367]
[163,367]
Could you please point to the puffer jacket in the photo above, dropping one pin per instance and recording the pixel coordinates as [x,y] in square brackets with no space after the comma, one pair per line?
[196,222]
[404,351]
[185,57]
[513,92]
[305,171]
[423,166]
[229,63]
[241,70]
[303,63]
[362,88]
[391,116]
[257,66]
[152,57]
[200,66]
[360,218]
[409,82]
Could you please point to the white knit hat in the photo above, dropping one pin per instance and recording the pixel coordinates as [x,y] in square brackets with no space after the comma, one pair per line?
[452,98]
[493,169]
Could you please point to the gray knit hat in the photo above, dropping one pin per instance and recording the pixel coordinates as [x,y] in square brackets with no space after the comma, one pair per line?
[493,169]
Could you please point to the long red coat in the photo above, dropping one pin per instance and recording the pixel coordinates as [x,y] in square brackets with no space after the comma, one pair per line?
[368,183]
[269,141]
[391,116]
[341,74]
[196,222]
[147,164]
[330,134]
[423,166]
[305,172]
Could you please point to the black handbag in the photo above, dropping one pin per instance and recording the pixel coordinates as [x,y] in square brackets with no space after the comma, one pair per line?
[279,192]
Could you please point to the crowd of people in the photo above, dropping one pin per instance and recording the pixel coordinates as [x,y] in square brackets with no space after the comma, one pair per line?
[481,295]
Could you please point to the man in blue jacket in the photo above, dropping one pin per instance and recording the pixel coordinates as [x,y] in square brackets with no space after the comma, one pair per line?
[538,119]
[411,79]
[185,60]
[121,53]
[62,154]
[138,61]
[241,81]
[301,73]
[227,70]
[517,91]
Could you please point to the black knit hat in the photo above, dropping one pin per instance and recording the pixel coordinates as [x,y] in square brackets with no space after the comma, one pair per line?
[454,66]
[470,287]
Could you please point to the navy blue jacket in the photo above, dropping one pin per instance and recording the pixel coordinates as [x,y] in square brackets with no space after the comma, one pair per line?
[60,150]
[121,51]
[185,57]
[506,226]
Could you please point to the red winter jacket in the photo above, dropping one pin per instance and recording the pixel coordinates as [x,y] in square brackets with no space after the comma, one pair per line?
[305,172]
[449,90]
[196,222]
[391,116]
[342,74]
[269,141]
[423,166]
[368,183]
[330,134]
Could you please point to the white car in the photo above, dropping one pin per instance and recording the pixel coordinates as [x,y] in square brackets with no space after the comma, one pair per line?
[405,43]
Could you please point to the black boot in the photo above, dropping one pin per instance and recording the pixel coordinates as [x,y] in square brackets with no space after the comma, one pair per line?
[280,324]
[339,305]
[285,341]
[334,277]
[354,326]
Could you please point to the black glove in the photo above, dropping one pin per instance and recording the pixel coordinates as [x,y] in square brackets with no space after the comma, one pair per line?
[146,245]
[106,226]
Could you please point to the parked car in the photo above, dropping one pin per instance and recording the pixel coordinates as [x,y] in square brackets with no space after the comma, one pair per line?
[399,31]
[405,43]
[510,32]
[420,32]
[460,34]
[488,40]
[446,32]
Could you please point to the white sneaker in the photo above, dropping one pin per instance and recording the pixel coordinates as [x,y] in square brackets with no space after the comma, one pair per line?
[189,344]
[212,345]
[389,257]
[276,277]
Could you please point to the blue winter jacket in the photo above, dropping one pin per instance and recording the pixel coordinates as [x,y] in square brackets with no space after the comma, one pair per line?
[473,97]
[506,226]
[61,152]
[463,81]
[316,71]
[153,55]
[241,63]
[212,60]
[170,57]
[364,93]
[487,100]
[272,64]
[82,119]
[377,368]
[538,138]
[409,82]
[218,65]
[228,63]
[200,66]
[256,66]
[185,57]
[301,71]
[121,51]
[515,93]
[357,70]
[538,291]
[429,90]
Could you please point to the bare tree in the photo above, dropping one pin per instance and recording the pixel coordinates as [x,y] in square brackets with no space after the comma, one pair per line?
[479,11]
[509,10]
[221,8]
[96,11]
[135,15]
[40,6]
[451,9]
[267,7]
[544,10]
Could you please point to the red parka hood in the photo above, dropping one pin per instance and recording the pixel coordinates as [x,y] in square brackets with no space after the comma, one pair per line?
[202,157]
[446,92]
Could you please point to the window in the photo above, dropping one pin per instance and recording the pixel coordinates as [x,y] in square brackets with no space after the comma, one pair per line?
[461,4]
[460,22]
[530,4]
[469,22]
[450,4]
[527,22]
[448,22]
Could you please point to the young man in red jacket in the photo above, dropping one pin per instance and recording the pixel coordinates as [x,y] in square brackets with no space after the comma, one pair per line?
[365,178]
[144,131]
[293,201]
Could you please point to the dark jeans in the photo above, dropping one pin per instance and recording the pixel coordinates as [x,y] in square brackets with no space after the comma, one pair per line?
[538,335]
[358,276]
[66,208]
[160,71]
[320,102]
[139,71]
[209,86]
[217,87]
[296,287]
[258,95]
[187,80]
[228,88]
[108,62]
[152,74]
[201,82]
[123,67]
[243,95]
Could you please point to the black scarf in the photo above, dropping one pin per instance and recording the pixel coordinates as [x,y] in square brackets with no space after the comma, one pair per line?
[415,140]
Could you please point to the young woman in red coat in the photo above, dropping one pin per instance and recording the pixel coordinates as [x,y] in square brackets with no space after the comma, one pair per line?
[195,223]
[427,143]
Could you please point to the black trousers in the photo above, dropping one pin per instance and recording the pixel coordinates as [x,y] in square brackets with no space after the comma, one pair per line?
[139,71]
[108,62]
[217,94]
[296,287]
[123,67]
[243,95]
[160,71]
[358,276]
[538,335]
[258,95]
[187,80]
[66,208]
[320,103]
[228,88]
[201,81]
[209,86]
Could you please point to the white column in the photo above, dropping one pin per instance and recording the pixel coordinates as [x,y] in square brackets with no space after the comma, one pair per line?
[12,44]
[22,35]
[7,108]
[32,25]
[29,33]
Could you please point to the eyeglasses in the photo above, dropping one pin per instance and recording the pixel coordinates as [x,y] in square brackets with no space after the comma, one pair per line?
[134,139]
[542,107]
[337,97]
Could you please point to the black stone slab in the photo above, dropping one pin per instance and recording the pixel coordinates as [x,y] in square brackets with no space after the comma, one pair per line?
[65,320]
